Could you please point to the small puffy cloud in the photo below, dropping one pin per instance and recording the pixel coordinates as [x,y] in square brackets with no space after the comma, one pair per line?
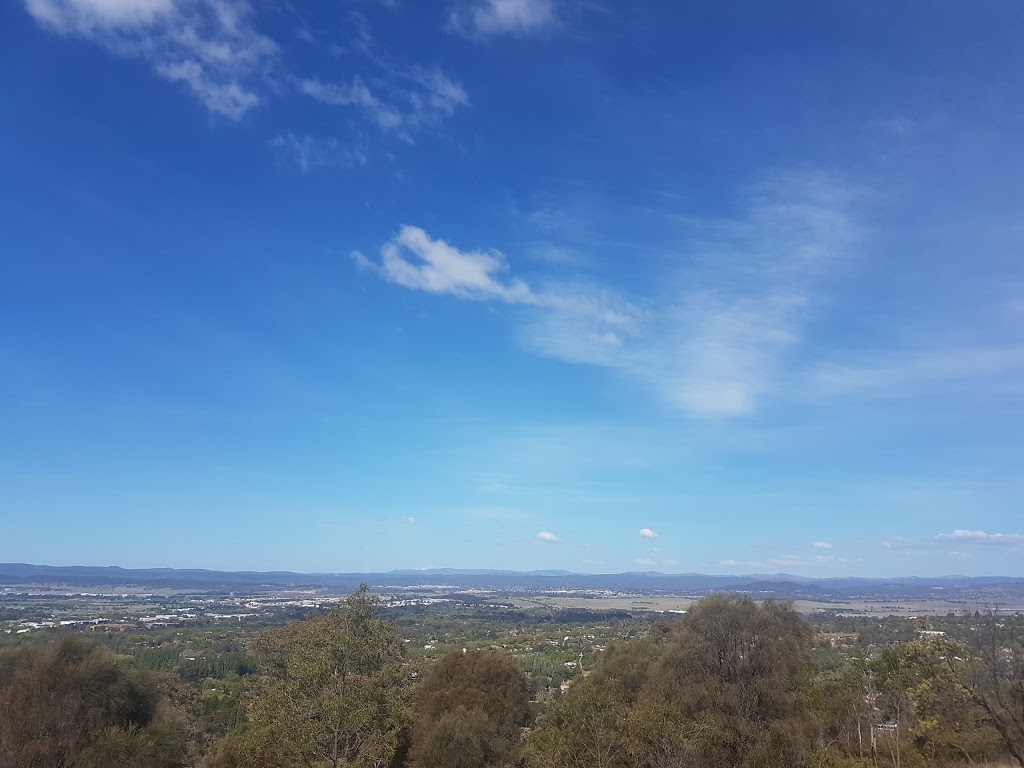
[485,18]
[644,561]
[549,537]
[414,260]
[822,545]
[647,533]
[981,537]
[407,520]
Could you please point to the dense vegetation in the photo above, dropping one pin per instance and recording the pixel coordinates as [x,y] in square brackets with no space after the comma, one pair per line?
[733,683]
[73,705]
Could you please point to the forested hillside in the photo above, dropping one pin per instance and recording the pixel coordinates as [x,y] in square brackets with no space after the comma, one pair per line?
[732,683]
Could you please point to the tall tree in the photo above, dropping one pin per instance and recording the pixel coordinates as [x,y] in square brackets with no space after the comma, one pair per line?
[726,686]
[993,678]
[468,711]
[335,692]
[578,731]
[743,671]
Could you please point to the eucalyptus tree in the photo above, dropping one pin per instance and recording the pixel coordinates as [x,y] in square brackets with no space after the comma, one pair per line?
[335,690]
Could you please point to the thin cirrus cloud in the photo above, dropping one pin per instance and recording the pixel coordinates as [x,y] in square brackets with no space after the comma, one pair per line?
[822,545]
[981,537]
[786,561]
[715,347]
[487,18]
[714,340]
[907,371]
[211,47]
[214,48]
[413,100]
[308,153]
[549,537]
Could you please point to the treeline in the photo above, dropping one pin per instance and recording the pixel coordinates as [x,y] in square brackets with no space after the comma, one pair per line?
[734,683]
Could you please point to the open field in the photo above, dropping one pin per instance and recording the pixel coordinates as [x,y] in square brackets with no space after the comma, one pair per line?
[619,602]
[668,603]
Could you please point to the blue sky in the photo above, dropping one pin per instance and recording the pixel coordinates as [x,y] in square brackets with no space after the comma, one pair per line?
[342,286]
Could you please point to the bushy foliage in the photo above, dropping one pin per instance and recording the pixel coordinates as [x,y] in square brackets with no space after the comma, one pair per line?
[736,683]
[334,691]
[468,711]
[73,705]
[727,686]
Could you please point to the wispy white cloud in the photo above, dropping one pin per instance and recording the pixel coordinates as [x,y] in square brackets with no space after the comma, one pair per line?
[958,555]
[981,537]
[486,18]
[356,94]
[822,545]
[404,102]
[787,561]
[215,49]
[549,537]
[310,152]
[906,372]
[713,341]
[437,97]
[228,99]
[211,46]
[647,533]
[407,520]
[88,15]
[714,346]
[644,561]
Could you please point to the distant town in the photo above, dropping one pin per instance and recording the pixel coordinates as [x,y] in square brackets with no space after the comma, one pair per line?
[34,598]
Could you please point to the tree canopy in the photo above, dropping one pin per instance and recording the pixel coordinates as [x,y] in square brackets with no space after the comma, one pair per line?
[72,704]
[726,686]
[335,692]
[468,711]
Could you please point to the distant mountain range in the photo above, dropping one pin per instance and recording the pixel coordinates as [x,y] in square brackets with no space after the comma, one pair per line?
[781,584]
